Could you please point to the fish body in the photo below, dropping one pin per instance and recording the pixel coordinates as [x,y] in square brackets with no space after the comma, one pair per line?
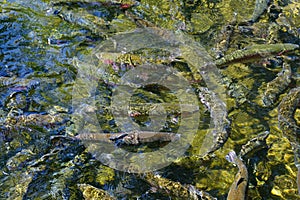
[286,110]
[259,9]
[277,86]
[254,145]
[84,19]
[239,186]
[130,138]
[288,125]
[175,189]
[218,114]
[254,53]
[91,192]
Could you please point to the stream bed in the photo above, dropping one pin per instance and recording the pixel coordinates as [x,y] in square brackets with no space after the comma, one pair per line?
[145,99]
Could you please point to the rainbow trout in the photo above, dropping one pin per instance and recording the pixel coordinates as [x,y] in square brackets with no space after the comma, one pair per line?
[239,186]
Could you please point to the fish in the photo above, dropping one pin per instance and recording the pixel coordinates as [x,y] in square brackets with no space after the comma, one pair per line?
[288,125]
[91,192]
[259,9]
[36,119]
[84,19]
[254,53]
[277,86]
[254,145]
[286,110]
[239,186]
[224,38]
[175,189]
[218,114]
[7,81]
[130,138]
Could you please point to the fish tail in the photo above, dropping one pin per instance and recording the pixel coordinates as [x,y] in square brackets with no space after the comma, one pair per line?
[232,157]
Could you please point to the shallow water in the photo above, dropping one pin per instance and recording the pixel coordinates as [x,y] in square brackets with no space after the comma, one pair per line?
[43,104]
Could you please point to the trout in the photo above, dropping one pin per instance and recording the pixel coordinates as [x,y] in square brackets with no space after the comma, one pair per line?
[239,186]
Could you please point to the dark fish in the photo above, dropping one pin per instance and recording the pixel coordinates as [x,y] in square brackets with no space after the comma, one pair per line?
[58,42]
[260,7]
[254,145]
[277,86]
[288,125]
[238,188]
[224,38]
[286,110]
